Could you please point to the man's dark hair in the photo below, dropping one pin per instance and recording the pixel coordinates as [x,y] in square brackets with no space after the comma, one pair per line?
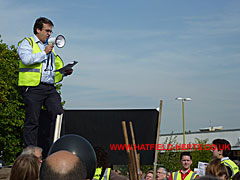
[39,23]
[223,144]
[47,172]
[102,157]
[185,154]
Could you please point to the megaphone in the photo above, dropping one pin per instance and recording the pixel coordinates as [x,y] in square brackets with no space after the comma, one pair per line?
[59,41]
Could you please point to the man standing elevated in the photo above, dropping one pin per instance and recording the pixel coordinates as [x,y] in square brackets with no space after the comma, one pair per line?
[37,78]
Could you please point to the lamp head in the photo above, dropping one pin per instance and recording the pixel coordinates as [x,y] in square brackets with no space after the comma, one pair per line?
[179,98]
[184,99]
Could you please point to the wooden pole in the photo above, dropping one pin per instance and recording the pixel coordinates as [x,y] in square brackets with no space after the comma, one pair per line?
[136,160]
[134,166]
[130,167]
[157,139]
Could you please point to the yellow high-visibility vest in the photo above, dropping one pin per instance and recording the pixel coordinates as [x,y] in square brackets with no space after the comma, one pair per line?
[177,176]
[229,163]
[98,172]
[30,75]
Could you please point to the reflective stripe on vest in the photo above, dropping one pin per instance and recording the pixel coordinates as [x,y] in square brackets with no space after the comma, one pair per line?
[30,75]
[98,172]
[28,70]
[234,168]
[177,176]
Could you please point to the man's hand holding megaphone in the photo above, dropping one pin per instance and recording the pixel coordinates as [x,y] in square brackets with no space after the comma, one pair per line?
[60,43]
[48,48]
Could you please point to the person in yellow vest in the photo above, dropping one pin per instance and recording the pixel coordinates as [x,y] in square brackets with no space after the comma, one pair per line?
[103,170]
[185,173]
[37,78]
[222,150]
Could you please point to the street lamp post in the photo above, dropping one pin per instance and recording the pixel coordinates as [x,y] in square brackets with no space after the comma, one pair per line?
[183,100]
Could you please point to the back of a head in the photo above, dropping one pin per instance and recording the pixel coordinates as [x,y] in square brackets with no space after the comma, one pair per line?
[164,171]
[206,177]
[216,168]
[223,144]
[102,157]
[63,165]
[30,150]
[25,167]
[33,150]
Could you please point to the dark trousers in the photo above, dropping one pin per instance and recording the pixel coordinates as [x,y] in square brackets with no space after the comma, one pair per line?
[34,98]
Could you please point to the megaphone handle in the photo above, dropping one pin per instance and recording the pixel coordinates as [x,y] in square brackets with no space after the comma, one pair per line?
[51,60]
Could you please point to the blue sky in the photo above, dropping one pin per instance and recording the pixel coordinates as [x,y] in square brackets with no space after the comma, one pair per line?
[134,53]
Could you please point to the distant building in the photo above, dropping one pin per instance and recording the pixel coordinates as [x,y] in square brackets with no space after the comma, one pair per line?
[210,133]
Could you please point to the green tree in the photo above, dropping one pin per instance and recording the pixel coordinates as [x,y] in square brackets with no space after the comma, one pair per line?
[11,104]
[201,155]
[170,158]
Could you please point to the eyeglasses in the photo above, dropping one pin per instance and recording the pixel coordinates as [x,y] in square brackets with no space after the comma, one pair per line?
[48,31]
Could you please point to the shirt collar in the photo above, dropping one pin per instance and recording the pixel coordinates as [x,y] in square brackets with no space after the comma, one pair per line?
[187,172]
[35,38]
[225,158]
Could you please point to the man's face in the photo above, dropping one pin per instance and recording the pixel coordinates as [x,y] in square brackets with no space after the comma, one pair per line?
[38,154]
[186,162]
[160,174]
[149,176]
[45,33]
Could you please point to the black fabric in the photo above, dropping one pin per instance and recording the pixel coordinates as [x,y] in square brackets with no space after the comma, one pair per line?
[34,99]
[104,127]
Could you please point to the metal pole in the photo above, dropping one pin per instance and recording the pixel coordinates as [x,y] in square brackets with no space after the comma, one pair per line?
[157,139]
[183,122]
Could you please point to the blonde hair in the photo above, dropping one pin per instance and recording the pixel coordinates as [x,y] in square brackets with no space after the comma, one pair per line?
[25,167]
[216,168]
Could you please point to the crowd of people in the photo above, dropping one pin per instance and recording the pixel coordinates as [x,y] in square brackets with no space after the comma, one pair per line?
[65,165]
[221,167]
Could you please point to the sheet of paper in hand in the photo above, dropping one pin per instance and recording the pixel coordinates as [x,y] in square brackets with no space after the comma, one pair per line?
[67,67]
